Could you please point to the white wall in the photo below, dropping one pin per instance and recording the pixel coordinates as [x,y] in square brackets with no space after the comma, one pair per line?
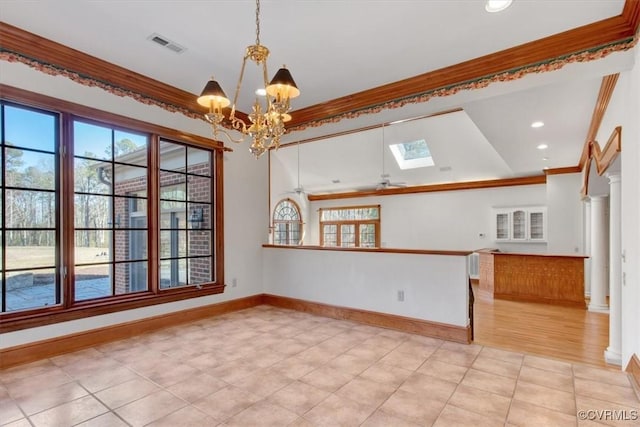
[449,220]
[245,201]
[435,286]
[624,110]
[564,214]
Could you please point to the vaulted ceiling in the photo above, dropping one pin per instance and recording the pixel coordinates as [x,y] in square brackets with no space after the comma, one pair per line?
[360,64]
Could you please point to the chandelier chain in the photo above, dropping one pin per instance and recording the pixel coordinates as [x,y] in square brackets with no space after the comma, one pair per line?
[257,22]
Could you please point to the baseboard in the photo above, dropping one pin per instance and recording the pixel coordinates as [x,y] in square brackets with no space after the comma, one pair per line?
[65,344]
[405,324]
[633,368]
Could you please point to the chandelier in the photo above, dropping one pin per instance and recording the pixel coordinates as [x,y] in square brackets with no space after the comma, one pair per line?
[266,120]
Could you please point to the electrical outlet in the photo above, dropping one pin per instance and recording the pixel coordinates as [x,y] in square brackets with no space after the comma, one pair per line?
[401,296]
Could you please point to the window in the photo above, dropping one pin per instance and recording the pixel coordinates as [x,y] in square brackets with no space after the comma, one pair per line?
[185,215]
[287,223]
[350,227]
[29,207]
[110,223]
[102,214]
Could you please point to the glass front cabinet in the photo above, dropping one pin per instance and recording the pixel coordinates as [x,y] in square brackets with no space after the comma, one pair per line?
[520,224]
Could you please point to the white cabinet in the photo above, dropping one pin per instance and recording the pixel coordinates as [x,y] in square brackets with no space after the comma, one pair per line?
[520,224]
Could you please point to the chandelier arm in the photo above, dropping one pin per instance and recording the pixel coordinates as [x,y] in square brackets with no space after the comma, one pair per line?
[265,77]
[229,137]
[235,97]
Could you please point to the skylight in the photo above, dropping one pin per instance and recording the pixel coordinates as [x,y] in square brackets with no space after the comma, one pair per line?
[412,155]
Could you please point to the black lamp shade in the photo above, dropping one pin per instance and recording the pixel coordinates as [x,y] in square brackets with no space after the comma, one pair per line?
[213,93]
[283,84]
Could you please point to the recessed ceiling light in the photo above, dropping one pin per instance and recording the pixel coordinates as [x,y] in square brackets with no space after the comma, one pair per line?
[542,147]
[537,124]
[497,5]
[261,92]
[545,158]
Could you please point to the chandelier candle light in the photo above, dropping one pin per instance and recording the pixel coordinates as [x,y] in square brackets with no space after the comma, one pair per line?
[267,122]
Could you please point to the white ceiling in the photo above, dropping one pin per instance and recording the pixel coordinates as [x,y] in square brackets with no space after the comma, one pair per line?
[339,47]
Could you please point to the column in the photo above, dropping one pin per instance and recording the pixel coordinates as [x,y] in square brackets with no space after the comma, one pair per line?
[587,246]
[613,353]
[599,252]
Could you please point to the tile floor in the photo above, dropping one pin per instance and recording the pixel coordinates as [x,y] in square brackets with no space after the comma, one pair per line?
[267,366]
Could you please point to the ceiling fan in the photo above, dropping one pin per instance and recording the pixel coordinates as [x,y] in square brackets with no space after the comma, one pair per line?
[385,181]
[299,189]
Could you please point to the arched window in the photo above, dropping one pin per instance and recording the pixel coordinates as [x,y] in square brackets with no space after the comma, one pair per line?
[287,223]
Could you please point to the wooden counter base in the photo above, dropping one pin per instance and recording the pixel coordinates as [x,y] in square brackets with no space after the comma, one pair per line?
[550,279]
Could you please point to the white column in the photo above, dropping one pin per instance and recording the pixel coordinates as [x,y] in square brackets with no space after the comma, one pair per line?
[587,246]
[599,252]
[613,354]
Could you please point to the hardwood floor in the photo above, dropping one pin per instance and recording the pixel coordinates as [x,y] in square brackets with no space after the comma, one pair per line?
[568,333]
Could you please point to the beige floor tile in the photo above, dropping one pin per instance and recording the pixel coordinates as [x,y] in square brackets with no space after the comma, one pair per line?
[490,382]
[338,343]
[349,364]
[19,423]
[263,383]
[424,385]
[418,348]
[549,398]
[454,416]
[9,411]
[607,413]
[557,366]
[51,378]
[327,378]
[481,402]
[546,378]
[298,397]
[444,371]
[474,349]
[386,374]
[294,367]
[430,341]
[225,403]
[90,366]
[504,355]
[318,355]
[196,387]
[412,407]
[606,376]
[454,357]
[124,393]
[70,413]
[404,360]
[289,346]
[77,356]
[383,342]
[365,391]
[27,370]
[607,392]
[101,380]
[48,398]
[337,411]
[166,376]
[264,358]
[105,420]
[368,351]
[232,371]
[150,408]
[526,414]
[262,414]
[496,366]
[382,419]
[189,416]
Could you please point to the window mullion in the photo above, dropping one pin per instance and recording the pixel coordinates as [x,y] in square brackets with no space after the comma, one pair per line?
[153,215]
[67,203]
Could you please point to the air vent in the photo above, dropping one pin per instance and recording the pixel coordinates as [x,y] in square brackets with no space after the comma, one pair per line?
[166,43]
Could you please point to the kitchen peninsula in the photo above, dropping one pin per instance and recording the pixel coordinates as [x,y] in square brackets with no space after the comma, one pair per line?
[545,278]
